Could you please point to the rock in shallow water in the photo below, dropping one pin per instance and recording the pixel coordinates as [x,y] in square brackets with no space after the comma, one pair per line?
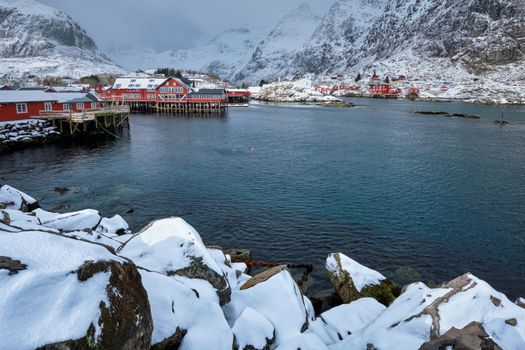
[353,280]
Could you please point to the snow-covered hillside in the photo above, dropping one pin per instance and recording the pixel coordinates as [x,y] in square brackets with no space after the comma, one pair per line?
[40,40]
[432,38]
[274,54]
[223,55]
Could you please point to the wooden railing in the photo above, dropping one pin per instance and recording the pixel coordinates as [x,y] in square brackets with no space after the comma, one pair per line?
[86,114]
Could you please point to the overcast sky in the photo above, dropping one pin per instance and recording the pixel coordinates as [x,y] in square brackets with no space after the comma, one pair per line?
[172,24]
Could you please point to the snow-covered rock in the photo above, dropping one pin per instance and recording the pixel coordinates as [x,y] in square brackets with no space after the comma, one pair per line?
[302,90]
[275,295]
[304,341]
[27,132]
[183,317]
[172,247]
[253,330]
[353,280]
[83,220]
[57,290]
[11,198]
[421,314]
[114,226]
[340,322]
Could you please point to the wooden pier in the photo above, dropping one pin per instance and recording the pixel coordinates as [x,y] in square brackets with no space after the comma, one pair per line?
[100,120]
[187,106]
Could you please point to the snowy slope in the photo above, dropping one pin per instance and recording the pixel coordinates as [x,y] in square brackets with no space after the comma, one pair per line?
[223,55]
[41,40]
[274,54]
[430,38]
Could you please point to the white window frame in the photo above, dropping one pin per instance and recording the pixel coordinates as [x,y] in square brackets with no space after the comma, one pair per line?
[93,105]
[21,108]
[80,106]
[67,107]
[48,106]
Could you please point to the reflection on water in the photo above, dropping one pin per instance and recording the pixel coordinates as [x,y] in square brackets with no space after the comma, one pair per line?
[412,196]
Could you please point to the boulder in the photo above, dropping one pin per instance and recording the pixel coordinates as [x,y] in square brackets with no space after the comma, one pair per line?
[174,248]
[305,341]
[471,337]
[115,226]
[253,331]
[83,220]
[422,314]
[11,198]
[353,280]
[182,318]
[520,302]
[344,320]
[276,296]
[62,293]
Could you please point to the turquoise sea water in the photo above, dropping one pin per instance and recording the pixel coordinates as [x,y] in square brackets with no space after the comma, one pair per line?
[415,197]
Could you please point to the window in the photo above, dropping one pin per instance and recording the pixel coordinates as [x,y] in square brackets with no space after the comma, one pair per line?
[80,106]
[48,106]
[133,80]
[117,86]
[94,105]
[21,108]
[67,106]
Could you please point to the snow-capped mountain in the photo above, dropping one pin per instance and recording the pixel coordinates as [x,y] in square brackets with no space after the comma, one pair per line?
[222,55]
[449,38]
[40,40]
[273,56]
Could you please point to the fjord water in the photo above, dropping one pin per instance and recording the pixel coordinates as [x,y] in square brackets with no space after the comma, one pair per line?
[415,197]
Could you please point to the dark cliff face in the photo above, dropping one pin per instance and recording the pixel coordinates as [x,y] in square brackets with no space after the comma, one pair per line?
[478,34]
[30,33]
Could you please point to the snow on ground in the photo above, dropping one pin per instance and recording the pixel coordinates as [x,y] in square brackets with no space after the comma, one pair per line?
[362,276]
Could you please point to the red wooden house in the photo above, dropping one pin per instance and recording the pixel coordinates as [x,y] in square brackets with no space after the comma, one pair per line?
[18,105]
[24,104]
[159,90]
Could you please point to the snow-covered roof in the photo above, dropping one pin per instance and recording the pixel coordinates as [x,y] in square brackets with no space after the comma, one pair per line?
[138,83]
[66,88]
[16,96]
[72,97]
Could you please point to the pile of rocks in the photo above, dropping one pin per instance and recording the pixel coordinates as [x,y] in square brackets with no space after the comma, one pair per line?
[25,132]
[81,281]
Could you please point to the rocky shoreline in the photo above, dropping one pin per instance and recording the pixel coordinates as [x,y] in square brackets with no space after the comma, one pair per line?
[26,133]
[82,281]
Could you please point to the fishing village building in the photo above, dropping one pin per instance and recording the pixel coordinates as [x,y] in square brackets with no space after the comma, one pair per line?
[163,95]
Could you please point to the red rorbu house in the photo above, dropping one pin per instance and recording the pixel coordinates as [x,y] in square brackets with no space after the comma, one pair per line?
[18,105]
[24,104]
[162,94]
[238,96]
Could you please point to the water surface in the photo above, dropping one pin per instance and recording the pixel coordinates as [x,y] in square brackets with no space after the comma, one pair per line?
[415,197]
